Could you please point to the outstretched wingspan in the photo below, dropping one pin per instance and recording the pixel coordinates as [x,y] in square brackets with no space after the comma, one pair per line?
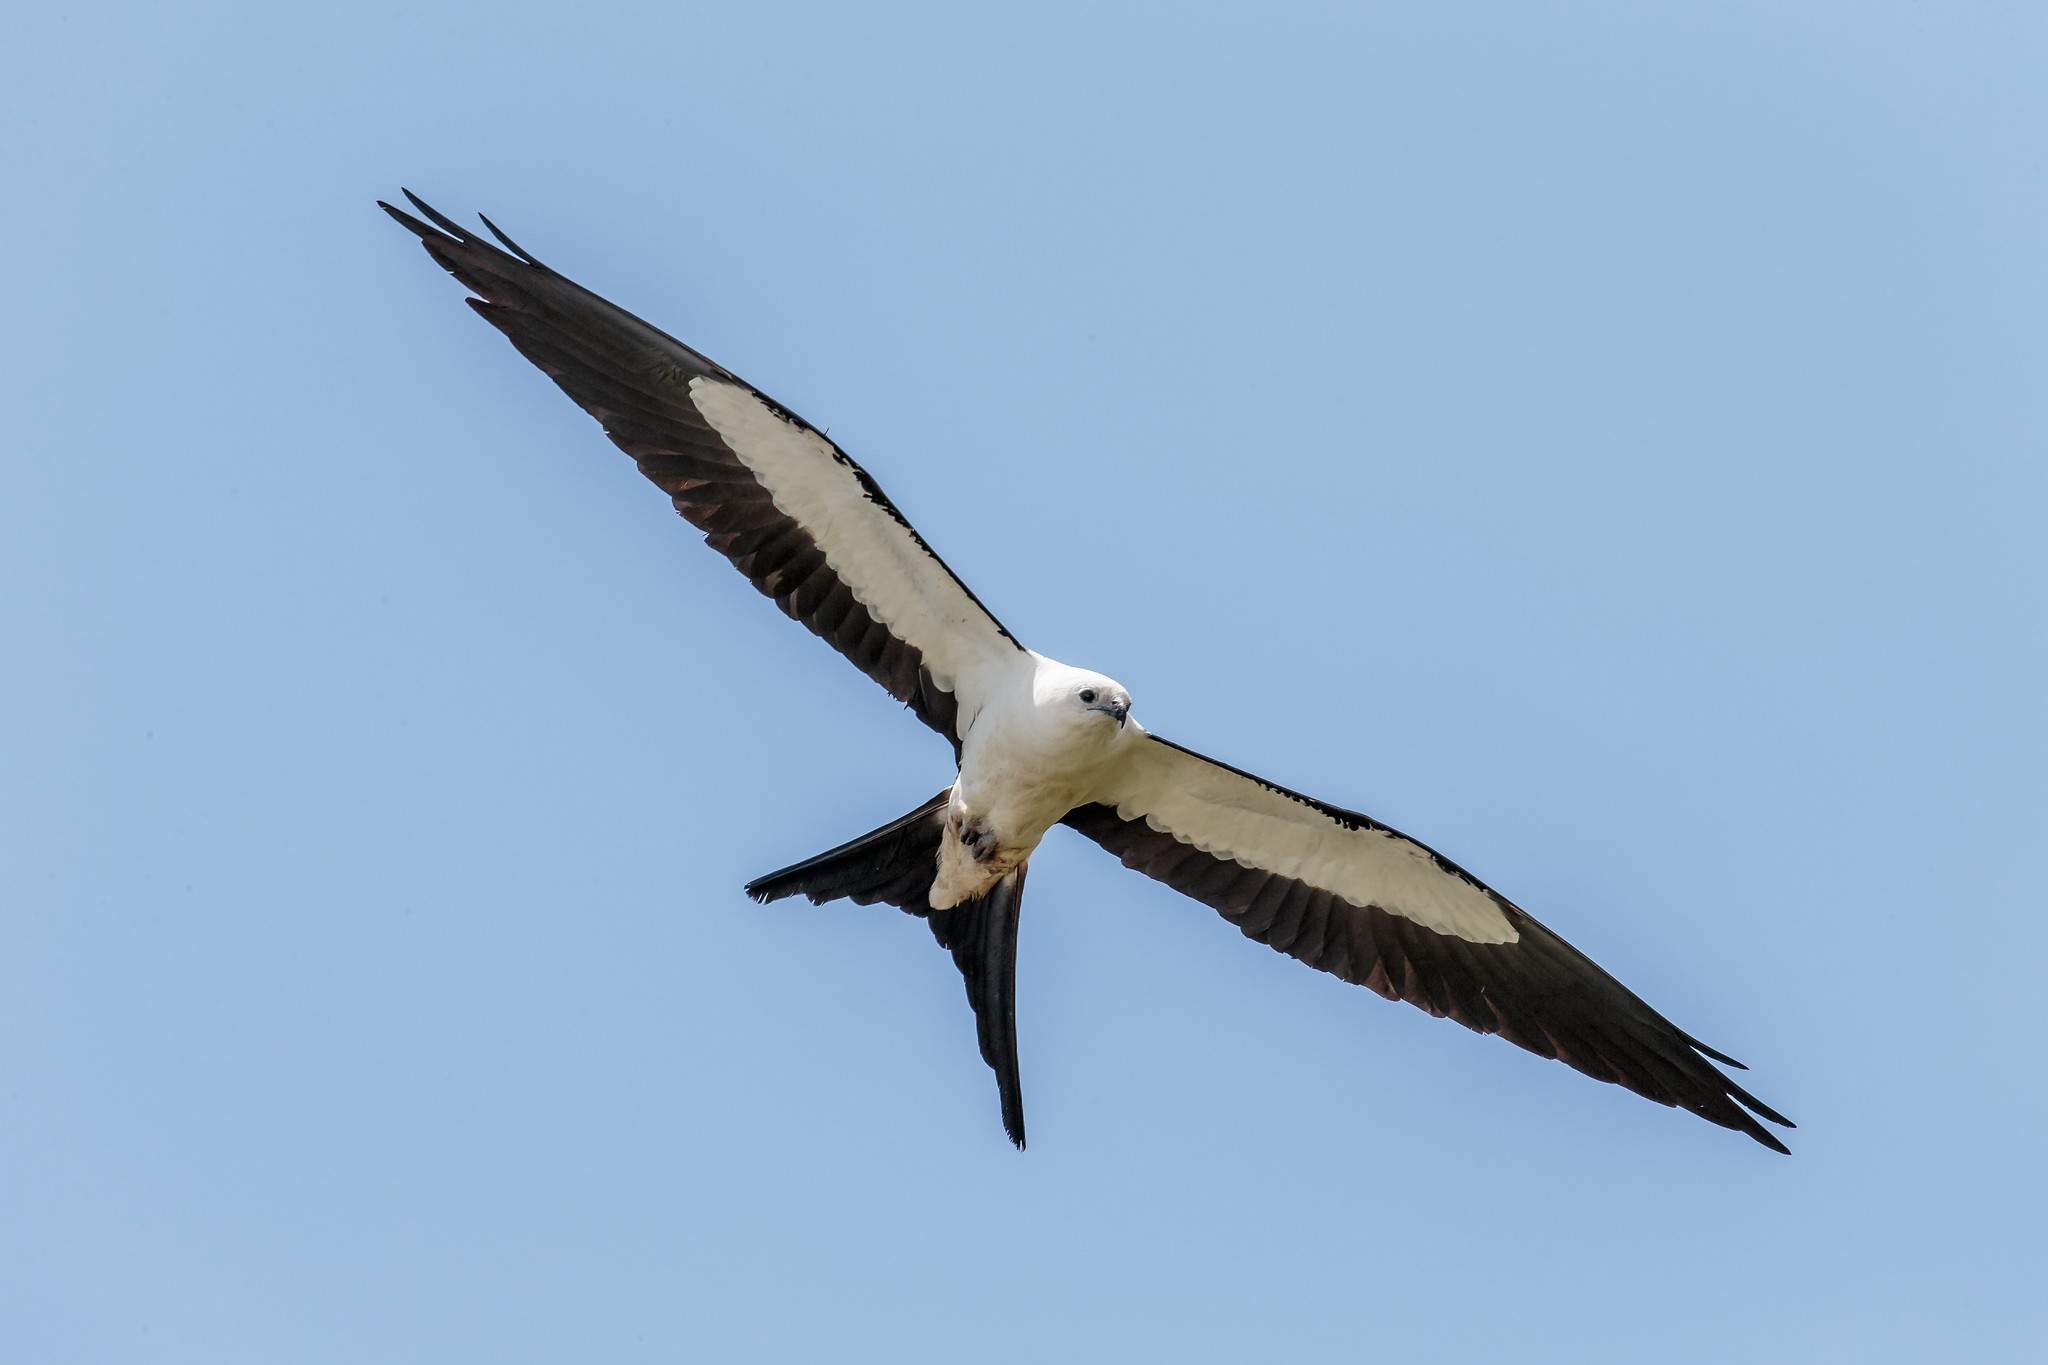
[792,511]
[810,528]
[1348,895]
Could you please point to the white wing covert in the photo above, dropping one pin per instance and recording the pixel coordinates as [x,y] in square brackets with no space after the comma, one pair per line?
[1234,816]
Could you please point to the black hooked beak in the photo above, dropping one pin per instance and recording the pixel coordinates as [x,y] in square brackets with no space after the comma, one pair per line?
[1119,709]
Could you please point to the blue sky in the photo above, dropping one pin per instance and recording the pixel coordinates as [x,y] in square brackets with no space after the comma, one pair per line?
[1604,441]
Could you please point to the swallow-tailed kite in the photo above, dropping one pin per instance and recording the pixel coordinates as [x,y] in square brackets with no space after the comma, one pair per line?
[1039,743]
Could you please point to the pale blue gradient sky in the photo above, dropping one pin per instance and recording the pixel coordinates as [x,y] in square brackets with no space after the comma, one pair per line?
[1605,441]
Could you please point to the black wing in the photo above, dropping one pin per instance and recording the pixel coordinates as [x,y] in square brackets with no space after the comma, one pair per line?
[1351,897]
[800,519]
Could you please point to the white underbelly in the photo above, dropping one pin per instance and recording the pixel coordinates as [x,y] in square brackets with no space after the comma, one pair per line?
[1029,756]
[1003,803]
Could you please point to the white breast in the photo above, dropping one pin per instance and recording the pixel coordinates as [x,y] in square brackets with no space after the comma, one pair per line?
[1032,755]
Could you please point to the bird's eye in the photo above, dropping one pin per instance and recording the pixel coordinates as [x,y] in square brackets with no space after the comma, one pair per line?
[1087,694]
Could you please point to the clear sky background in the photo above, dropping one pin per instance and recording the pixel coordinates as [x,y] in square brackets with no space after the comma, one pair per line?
[1605,441]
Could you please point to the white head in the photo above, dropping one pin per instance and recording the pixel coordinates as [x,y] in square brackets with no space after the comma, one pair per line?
[1081,702]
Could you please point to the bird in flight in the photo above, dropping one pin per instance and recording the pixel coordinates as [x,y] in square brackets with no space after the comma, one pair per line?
[1037,742]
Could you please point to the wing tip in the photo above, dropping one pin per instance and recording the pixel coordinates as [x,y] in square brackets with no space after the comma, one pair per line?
[446,232]
[412,224]
[438,218]
[517,250]
[1770,1140]
[1759,1108]
[1719,1056]
[1742,1110]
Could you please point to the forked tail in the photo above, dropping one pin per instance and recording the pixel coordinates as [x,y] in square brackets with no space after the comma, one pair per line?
[898,863]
